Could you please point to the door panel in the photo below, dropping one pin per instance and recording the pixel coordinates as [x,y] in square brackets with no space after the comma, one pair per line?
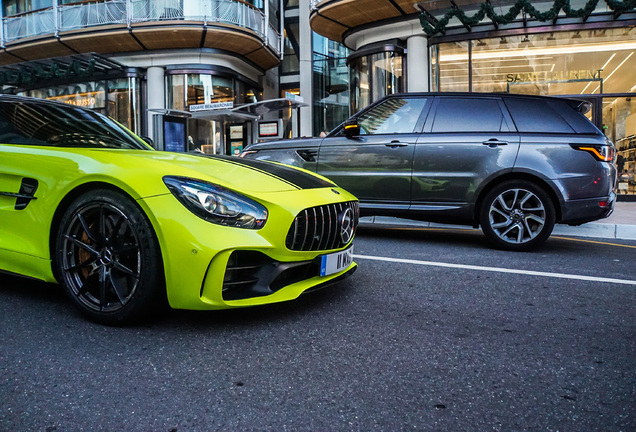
[449,168]
[375,168]
[376,165]
[24,228]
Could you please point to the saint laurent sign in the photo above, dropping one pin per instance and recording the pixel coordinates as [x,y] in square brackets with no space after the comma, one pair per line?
[574,75]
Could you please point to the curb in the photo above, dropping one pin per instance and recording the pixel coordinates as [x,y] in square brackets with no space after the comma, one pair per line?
[592,229]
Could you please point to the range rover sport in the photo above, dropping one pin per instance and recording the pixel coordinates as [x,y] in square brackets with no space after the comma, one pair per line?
[512,164]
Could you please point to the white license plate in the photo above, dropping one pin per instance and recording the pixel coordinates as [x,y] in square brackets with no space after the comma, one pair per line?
[335,262]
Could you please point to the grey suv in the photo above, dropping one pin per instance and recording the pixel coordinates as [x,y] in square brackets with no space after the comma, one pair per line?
[514,165]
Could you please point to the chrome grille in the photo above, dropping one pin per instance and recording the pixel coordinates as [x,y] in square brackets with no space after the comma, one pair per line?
[318,228]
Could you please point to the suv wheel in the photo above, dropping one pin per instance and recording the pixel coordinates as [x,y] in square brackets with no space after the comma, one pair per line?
[517,215]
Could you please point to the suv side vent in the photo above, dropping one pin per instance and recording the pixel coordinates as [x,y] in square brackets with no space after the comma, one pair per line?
[308,155]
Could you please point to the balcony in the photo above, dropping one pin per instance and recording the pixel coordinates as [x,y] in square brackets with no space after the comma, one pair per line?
[335,18]
[115,26]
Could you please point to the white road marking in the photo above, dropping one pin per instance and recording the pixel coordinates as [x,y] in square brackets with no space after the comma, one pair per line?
[498,270]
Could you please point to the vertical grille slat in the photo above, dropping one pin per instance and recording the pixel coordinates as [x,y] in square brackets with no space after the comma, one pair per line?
[322,228]
[318,228]
[306,231]
[315,230]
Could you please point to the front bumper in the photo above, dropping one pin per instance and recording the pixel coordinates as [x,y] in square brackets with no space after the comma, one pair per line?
[578,212]
[209,267]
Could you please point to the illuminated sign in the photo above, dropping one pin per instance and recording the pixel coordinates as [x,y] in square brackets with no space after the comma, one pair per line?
[575,75]
[84,100]
[270,129]
[236,132]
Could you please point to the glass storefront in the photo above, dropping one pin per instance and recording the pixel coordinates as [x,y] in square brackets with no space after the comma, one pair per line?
[209,136]
[375,76]
[596,65]
[117,98]
[331,85]
[619,117]
[563,63]
[291,56]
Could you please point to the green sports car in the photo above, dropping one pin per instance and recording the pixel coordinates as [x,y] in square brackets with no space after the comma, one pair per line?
[125,229]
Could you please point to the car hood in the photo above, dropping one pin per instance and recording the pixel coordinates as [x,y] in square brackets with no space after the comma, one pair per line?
[141,172]
[247,176]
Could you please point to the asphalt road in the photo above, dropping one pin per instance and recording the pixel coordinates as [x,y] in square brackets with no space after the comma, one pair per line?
[443,340]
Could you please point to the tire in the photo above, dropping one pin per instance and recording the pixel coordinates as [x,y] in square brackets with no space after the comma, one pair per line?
[517,215]
[108,258]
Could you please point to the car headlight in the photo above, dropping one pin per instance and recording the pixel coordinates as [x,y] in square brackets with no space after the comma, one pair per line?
[217,204]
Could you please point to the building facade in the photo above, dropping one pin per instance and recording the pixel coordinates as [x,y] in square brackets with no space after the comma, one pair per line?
[148,64]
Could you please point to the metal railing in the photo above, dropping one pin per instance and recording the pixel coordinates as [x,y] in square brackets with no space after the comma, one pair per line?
[61,18]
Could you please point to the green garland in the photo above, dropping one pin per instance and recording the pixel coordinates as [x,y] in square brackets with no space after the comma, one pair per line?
[487,10]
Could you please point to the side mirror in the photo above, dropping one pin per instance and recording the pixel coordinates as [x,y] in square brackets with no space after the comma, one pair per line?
[147,140]
[351,128]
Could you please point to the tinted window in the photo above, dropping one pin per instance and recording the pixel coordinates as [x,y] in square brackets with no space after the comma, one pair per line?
[578,121]
[40,123]
[531,115]
[395,115]
[469,115]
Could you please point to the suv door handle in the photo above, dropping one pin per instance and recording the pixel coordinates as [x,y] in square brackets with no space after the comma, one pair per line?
[396,144]
[494,142]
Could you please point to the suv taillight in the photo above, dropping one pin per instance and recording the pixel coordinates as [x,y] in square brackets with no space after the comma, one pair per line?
[603,153]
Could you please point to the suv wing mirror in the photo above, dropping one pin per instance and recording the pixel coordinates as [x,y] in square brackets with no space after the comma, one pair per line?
[351,128]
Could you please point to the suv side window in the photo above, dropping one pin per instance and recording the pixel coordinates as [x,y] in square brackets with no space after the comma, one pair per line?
[456,114]
[396,115]
[531,115]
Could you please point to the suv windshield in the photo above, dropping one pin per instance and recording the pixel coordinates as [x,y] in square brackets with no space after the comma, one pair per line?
[52,124]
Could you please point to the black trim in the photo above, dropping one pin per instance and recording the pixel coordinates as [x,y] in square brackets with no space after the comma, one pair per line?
[398,8]
[26,193]
[481,31]
[213,70]
[395,45]
[203,35]
[290,175]
[67,46]
[332,281]
[143,47]
[317,12]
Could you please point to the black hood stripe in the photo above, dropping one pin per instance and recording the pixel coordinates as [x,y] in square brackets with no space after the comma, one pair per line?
[292,176]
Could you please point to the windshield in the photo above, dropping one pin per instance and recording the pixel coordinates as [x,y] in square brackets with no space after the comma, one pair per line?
[33,122]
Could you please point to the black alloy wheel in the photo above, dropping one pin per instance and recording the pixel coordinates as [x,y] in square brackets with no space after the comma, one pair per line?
[108,258]
[517,215]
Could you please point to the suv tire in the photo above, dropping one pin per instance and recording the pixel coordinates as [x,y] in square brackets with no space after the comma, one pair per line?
[517,215]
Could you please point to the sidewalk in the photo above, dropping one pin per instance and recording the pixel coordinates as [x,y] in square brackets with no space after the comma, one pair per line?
[620,225]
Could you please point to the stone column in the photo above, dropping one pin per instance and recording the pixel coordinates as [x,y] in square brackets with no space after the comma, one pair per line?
[156,99]
[418,65]
[306,68]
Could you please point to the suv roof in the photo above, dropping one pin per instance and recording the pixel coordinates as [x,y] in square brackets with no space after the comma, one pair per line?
[579,105]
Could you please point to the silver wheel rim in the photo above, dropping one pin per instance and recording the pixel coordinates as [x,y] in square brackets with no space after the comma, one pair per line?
[517,216]
[101,257]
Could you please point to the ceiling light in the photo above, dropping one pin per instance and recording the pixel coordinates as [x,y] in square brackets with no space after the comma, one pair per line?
[566,49]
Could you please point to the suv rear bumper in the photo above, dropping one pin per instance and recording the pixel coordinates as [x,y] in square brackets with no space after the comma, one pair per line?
[581,211]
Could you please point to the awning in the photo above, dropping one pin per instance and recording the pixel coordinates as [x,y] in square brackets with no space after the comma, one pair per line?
[252,111]
[48,72]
